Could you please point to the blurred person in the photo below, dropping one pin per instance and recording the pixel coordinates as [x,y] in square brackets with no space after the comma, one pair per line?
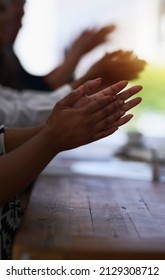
[13,75]
[32,107]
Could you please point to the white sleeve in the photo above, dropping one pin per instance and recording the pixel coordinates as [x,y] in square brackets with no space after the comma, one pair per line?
[28,108]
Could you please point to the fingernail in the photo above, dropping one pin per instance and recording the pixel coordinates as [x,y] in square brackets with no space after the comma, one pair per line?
[130,116]
[98,79]
[81,89]
[139,86]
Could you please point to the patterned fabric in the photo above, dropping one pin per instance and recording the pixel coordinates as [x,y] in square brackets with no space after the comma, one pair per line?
[10,216]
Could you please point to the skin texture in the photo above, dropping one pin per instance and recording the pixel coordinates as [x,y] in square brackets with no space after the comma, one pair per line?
[76,120]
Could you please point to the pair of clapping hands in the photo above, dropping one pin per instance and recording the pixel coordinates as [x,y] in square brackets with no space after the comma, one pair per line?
[86,117]
[78,119]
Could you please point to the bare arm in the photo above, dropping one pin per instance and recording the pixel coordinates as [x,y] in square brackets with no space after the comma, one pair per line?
[15,137]
[22,165]
[86,42]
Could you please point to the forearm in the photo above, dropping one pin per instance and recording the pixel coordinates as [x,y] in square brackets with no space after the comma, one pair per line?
[21,166]
[19,136]
[64,73]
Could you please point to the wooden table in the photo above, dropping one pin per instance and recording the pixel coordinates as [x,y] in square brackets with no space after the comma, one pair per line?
[93,217]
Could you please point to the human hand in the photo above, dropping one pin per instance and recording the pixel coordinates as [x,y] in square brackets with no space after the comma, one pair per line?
[79,119]
[116,66]
[115,91]
[89,39]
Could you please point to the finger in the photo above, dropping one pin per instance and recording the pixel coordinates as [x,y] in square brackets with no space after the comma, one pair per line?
[127,54]
[129,92]
[103,107]
[109,121]
[108,28]
[124,120]
[114,54]
[90,85]
[109,110]
[99,95]
[104,31]
[130,104]
[84,89]
[114,89]
[104,133]
[110,130]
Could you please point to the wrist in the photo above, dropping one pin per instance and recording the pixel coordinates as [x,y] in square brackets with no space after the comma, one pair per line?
[48,135]
[73,56]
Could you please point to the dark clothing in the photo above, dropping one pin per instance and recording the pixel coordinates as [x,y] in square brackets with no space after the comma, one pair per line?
[13,75]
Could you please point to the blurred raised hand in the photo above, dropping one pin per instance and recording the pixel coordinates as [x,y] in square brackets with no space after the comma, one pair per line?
[116,66]
[86,42]
[89,39]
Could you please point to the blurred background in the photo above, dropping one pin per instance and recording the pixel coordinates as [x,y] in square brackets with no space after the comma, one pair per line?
[50,26]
